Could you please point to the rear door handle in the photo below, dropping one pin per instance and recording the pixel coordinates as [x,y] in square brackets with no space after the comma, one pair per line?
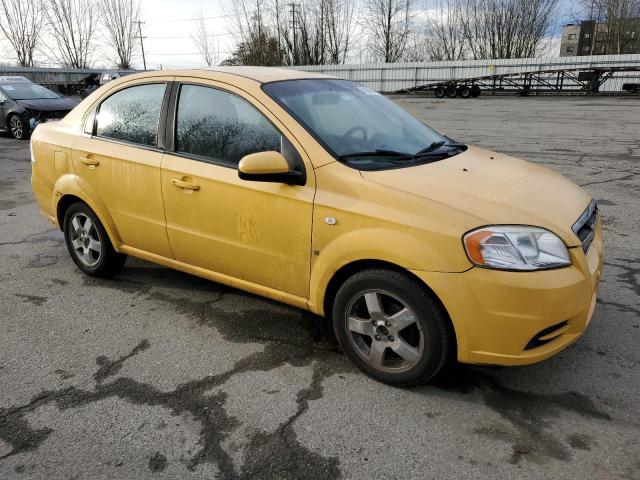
[176,182]
[90,162]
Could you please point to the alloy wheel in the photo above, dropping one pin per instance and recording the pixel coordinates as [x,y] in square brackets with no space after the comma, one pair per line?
[16,127]
[85,239]
[385,331]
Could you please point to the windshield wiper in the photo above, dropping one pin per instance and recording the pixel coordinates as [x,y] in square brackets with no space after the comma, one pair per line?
[429,151]
[430,148]
[379,153]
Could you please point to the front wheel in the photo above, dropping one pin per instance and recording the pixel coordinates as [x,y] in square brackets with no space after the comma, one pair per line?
[18,127]
[88,242]
[391,327]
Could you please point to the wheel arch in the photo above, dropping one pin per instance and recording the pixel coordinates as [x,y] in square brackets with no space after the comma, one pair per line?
[63,205]
[351,268]
[67,192]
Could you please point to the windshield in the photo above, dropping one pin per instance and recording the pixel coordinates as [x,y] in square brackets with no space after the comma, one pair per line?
[27,91]
[351,120]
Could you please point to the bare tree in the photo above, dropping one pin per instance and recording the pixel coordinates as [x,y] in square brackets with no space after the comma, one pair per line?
[302,31]
[307,32]
[389,25]
[204,41]
[506,28]
[311,25]
[118,19]
[339,18]
[256,42]
[72,25]
[445,35]
[622,17]
[21,23]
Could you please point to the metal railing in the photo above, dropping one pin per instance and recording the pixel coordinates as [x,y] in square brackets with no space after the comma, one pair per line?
[391,77]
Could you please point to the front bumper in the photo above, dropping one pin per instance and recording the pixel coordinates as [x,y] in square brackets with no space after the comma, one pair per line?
[496,314]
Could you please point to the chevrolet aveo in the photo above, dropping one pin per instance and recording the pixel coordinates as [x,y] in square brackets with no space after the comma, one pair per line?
[325,195]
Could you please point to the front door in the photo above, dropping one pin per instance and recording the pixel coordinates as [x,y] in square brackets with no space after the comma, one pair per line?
[120,161]
[253,231]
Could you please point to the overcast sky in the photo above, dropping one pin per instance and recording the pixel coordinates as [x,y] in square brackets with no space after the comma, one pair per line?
[168,26]
[169,23]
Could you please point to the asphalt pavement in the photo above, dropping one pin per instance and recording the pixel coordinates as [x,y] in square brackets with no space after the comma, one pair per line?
[158,374]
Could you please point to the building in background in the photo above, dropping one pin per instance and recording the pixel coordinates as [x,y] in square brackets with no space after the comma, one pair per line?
[600,38]
[569,42]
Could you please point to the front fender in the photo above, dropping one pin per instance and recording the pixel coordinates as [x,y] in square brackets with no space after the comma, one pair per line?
[392,246]
[71,184]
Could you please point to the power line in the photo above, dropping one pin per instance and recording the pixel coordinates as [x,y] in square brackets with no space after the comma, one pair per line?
[182,53]
[215,17]
[188,36]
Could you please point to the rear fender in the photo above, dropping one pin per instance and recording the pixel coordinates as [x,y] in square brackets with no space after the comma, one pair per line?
[71,184]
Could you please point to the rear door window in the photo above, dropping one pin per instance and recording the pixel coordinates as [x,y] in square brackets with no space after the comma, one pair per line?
[132,114]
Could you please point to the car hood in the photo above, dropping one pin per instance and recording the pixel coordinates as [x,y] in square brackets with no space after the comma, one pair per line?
[48,104]
[495,188]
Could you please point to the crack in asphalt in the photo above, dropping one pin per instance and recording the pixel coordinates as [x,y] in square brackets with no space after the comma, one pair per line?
[278,451]
[630,176]
[108,368]
[50,235]
[527,412]
[308,341]
[631,274]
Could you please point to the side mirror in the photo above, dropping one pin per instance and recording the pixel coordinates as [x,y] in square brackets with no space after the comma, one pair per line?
[268,167]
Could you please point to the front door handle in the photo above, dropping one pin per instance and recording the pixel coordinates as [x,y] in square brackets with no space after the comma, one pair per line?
[89,162]
[176,182]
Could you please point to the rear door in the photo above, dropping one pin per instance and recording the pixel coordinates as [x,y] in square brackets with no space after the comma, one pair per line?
[119,157]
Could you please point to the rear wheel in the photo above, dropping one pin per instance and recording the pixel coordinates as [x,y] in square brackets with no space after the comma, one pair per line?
[439,92]
[88,243]
[451,91]
[391,327]
[18,127]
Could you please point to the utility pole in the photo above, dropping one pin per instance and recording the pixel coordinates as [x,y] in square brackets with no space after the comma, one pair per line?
[294,26]
[144,60]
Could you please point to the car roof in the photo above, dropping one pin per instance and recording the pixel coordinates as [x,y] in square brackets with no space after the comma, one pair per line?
[258,74]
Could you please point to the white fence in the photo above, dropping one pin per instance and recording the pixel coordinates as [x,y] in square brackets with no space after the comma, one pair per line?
[390,77]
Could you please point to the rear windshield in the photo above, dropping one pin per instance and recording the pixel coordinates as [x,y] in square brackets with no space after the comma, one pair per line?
[27,91]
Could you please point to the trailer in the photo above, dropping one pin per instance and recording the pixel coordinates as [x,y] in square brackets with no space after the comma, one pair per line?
[576,81]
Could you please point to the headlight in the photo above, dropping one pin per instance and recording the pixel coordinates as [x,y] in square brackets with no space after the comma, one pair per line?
[514,247]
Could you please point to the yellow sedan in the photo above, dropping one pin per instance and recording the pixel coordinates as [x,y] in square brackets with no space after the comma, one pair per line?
[325,195]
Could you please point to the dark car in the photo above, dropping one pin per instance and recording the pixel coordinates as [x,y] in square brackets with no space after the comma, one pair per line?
[24,104]
[95,83]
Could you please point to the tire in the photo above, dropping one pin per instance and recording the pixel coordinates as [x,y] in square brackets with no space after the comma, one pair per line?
[89,245]
[421,334]
[439,92]
[18,127]
[451,91]
[475,91]
[464,91]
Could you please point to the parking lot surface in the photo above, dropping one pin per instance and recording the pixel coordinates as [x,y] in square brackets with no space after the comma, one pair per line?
[158,374]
